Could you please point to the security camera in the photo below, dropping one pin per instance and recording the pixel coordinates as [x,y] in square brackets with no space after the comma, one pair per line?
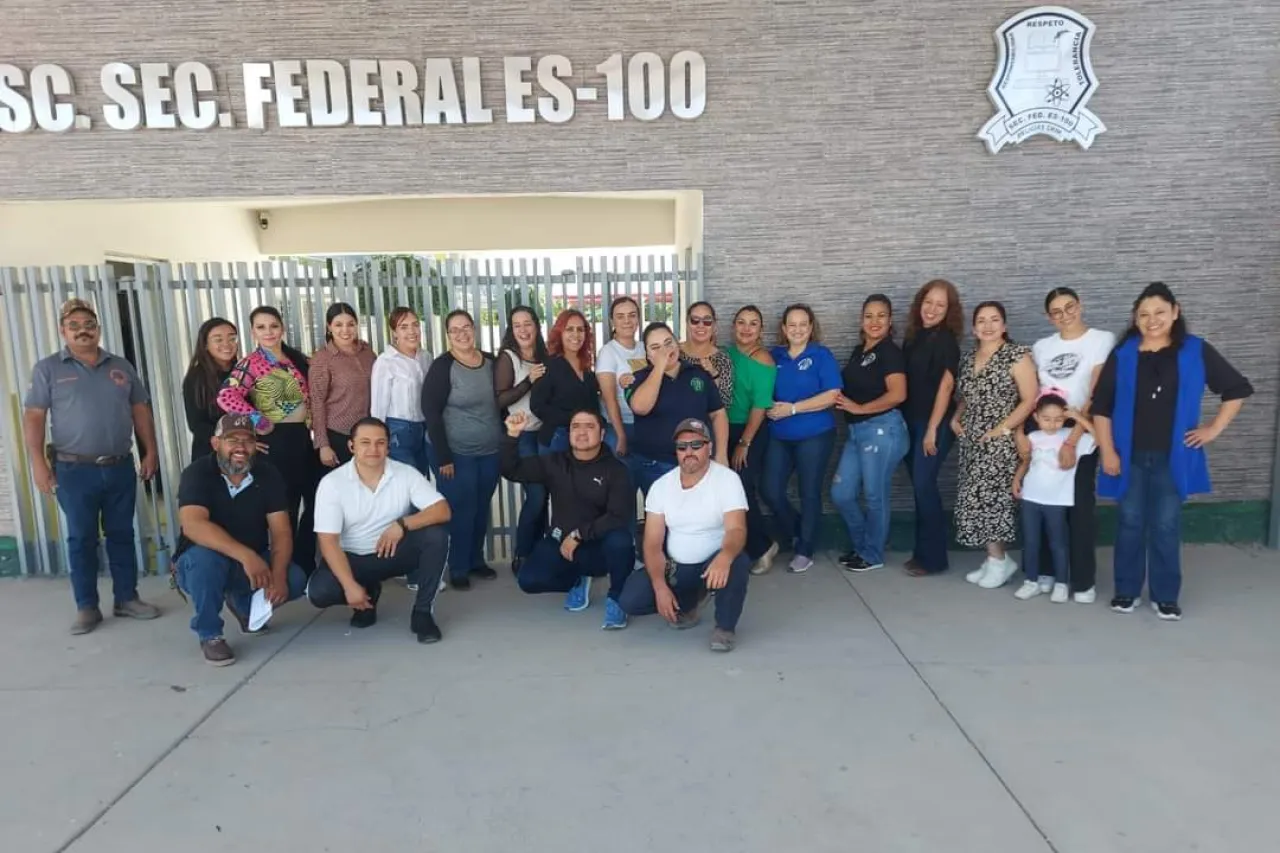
[264,220]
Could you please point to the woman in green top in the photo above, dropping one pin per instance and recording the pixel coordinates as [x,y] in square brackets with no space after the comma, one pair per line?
[753,375]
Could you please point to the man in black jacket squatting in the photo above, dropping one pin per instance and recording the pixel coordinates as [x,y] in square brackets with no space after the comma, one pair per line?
[593,503]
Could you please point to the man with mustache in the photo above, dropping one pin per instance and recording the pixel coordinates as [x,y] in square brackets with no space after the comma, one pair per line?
[695,530]
[236,535]
[94,403]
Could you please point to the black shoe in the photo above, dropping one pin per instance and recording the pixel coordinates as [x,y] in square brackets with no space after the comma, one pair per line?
[484,572]
[424,625]
[1122,604]
[854,562]
[364,618]
[461,584]
[1167,611]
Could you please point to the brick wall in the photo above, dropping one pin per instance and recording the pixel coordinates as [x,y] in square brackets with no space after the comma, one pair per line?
[837,153]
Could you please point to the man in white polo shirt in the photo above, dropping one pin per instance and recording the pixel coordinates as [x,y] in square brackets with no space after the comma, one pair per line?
[699,510]
[378,519]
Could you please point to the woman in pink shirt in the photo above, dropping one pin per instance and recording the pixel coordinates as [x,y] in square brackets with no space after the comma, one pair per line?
[340,381]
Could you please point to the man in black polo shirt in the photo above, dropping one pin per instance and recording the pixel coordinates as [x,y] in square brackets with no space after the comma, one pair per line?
[236,535]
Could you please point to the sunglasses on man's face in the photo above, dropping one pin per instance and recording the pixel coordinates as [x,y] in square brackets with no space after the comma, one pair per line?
[696,444]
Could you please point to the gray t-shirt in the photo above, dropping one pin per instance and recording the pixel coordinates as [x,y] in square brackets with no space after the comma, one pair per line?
[90,408]
[470,420]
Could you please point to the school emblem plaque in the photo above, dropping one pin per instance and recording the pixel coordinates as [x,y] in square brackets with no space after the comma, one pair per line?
[1043,80]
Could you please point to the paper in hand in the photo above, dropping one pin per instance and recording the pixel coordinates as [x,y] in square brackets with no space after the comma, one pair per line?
[259,610]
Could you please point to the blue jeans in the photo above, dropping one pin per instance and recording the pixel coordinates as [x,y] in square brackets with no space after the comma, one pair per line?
[546,569]
[758,538]
[208,578]
[94,497]
[559,442]
[470,495]
[1148,541]
[1048,524]
[932,535]
[408,443]
[872,451]
[532,523]
[808,459]
[686,581]
[646,471]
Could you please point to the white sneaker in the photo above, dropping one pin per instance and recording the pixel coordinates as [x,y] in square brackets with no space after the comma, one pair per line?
[999,573]
[765,563]
[1028,590]
[1061,592]
[1089,596]
[1046,584]
[800,564]
[976,575]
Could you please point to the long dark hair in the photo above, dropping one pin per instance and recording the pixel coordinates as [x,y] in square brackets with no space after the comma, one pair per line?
[335,311]
[204,373]
[999,306]
[299,360]
[509,341]
[872,300]
[1158,290]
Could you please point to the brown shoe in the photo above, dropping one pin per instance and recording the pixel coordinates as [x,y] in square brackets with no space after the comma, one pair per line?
[217,652]
[86,620]
[137,609]
[722,640]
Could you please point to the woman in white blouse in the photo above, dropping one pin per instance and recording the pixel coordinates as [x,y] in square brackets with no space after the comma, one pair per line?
[396,395]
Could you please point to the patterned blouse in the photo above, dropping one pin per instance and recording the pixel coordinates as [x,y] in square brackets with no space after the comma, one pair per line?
[266,388]
[721,371]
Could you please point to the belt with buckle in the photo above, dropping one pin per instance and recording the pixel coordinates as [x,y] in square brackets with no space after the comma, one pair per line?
[100,461]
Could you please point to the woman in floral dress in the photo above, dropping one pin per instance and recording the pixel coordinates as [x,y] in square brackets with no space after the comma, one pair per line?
[997,387]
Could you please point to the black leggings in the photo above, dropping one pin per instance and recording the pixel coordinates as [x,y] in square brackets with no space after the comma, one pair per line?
[290,450]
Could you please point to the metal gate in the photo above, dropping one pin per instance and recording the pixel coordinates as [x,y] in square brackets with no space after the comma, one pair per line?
[150,314]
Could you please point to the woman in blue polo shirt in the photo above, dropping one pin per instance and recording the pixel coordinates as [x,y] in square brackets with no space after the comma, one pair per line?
[662,395]
[803,430]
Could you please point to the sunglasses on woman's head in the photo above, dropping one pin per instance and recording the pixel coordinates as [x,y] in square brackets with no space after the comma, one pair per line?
[696,444]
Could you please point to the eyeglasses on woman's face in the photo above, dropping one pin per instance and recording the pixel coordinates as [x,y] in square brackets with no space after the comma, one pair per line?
[1062,312]
[704,320]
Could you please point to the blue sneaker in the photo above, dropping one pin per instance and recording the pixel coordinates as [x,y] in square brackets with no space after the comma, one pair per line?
[579,598]
[614,618]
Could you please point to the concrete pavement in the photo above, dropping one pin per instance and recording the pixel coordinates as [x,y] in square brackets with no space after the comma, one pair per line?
[876,712]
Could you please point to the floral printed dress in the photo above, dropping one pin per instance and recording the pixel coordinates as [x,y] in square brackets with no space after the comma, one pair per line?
[985,508]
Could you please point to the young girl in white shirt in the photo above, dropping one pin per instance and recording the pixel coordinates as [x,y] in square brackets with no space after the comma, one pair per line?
[1047,491]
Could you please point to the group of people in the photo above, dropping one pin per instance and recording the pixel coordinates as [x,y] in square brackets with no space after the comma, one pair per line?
[708,434]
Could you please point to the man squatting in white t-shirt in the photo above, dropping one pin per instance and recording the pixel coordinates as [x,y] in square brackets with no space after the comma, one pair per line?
[699,511]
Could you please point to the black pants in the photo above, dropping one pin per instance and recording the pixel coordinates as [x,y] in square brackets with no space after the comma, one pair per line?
[1082,527]
[419,558]
[290,450]
[758,538]
[338,444]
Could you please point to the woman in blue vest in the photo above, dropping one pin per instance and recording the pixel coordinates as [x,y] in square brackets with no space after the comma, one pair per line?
[1146,409]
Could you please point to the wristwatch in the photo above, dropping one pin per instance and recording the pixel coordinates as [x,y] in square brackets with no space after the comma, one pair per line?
[793,408]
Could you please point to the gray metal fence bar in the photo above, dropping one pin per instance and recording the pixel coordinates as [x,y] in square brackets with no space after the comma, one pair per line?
[164,305]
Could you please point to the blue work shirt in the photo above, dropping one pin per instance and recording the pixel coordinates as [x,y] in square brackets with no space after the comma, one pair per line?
[815,371]
[691,394]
